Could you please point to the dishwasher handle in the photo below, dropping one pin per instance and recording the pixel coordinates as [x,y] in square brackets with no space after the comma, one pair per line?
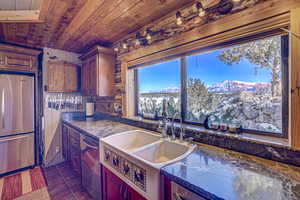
[90,144]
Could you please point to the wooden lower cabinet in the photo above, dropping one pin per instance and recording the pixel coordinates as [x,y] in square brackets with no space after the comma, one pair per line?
[65,142]
[116,189]
[71,147]
[74,149]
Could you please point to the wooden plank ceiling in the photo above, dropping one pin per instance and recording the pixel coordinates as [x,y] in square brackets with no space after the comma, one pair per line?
[76,25]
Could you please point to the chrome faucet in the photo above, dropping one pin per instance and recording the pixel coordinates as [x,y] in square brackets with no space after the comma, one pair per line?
[163,127]
[163,123]
[181,135]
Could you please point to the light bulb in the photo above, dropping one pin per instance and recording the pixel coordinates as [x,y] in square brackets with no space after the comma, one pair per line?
[179,21]
[124,45]
[148,37]
[137,42]
[116,49]
[202,12]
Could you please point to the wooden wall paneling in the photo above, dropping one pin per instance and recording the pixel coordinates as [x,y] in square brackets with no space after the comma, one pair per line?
[112,11]
[71,11]
[83,15]
[129,16]
[295,78]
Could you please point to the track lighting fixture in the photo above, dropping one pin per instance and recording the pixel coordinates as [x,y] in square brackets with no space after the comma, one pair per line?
[179,20]
[201,10]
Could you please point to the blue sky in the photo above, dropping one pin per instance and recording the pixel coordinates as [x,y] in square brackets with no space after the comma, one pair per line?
[205,66]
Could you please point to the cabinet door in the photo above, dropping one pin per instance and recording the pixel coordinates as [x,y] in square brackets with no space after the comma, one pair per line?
[114,188]
[70,78]
[74,146]
[134,195]
[65,142]
[85,74]
[55,76]
[93,76]
[106,75]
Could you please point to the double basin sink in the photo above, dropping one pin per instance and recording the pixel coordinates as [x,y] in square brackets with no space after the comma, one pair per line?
[149,148]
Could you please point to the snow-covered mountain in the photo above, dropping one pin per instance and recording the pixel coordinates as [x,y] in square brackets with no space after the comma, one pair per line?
[165,90]
[228,86]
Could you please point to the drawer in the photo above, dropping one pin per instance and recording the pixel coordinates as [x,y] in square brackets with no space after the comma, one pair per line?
[19,60]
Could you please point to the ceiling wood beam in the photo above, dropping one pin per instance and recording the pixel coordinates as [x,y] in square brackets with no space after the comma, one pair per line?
[14,16]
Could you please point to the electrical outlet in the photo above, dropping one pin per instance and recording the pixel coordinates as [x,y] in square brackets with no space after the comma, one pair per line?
[57,149]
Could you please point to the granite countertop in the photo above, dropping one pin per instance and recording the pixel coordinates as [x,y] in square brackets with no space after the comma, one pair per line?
[217,173]
[99,128]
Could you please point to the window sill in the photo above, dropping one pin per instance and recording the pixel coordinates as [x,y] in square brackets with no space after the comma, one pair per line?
[281,142]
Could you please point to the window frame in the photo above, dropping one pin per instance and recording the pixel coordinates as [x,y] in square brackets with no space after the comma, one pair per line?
[183,78]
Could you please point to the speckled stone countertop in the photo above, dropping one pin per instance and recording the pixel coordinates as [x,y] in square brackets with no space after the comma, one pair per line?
[217,173]
[99,128]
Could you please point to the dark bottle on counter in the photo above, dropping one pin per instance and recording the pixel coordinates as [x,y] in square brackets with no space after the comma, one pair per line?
[206,122]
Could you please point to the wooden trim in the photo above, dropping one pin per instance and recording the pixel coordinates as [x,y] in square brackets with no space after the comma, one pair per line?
[21,50]
[124,68]
[295,79]
[97,50]
[13,16]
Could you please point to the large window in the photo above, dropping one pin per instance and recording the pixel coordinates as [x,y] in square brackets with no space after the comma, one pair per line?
[158,82]
[242,84]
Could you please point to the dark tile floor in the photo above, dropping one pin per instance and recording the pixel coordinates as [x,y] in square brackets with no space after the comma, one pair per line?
[64,183]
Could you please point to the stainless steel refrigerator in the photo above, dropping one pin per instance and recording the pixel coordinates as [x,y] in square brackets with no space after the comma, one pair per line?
[16,122]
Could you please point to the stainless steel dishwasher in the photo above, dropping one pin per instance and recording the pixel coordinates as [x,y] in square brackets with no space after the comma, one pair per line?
[90,166]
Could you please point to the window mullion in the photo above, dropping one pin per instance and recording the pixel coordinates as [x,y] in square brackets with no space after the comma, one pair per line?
[183,87]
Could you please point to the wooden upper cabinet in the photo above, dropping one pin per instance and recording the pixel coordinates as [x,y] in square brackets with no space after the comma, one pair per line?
[62,77]
[18,59]
[98,72]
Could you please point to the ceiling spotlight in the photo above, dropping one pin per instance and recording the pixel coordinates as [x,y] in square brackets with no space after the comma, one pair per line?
[179,18]
[137,38]
[201,11]
[116,49]
[148,36]
[124,45]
